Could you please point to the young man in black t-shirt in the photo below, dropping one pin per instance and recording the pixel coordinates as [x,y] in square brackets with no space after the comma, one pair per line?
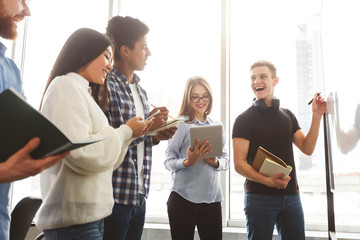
[272,200]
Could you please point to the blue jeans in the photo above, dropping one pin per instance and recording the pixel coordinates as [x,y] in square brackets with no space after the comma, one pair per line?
[89,231]
[4,211]
[125,222]
[263,212]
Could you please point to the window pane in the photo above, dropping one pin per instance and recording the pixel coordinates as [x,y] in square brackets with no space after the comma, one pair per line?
[50,24]
[286,33]
[184,40]
[9,47]
[341,50]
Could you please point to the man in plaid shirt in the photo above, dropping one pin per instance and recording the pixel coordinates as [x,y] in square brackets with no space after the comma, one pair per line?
[131,181]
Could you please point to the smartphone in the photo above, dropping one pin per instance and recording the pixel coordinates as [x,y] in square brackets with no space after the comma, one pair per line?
[152,115]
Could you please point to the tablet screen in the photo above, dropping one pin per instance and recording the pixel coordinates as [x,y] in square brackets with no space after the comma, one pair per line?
[212,133]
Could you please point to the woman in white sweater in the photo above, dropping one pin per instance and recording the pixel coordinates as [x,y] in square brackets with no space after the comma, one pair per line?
[77,192]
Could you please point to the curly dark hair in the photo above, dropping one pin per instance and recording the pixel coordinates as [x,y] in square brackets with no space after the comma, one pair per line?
[125,31]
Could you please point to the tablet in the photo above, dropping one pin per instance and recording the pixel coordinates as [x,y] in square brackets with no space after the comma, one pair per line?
[212,133]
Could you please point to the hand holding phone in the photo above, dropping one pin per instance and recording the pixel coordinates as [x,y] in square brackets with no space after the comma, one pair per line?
[152,115]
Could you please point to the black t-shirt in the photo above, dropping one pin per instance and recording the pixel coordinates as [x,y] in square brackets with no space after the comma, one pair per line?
[273,129]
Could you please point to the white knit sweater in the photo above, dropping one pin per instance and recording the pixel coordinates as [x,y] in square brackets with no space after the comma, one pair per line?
[78,190]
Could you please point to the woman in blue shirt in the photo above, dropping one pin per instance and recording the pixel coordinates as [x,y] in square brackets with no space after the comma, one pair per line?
[195,198]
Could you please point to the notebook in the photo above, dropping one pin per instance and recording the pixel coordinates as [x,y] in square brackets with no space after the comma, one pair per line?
[20,122]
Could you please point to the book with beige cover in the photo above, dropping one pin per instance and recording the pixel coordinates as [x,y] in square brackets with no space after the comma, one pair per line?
[269,164]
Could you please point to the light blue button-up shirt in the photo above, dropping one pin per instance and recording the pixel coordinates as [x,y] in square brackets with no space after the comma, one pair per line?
[9,73]
[9,77]
[199,183]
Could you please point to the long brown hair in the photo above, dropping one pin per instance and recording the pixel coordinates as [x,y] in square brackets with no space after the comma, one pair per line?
[186,109]
[82,47]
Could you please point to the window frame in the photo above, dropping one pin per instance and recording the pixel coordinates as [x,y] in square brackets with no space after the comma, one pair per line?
[19,54]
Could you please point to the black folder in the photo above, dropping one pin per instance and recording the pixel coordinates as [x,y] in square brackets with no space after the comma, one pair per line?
[20,122]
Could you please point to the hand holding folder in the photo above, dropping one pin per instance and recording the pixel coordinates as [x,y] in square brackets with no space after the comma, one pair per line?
[269,164]
[20,122]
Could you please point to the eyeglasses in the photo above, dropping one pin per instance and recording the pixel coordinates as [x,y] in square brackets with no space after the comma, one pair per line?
[197,99]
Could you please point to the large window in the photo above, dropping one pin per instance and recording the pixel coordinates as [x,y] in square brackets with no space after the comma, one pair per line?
[186,39]
[50,25]
[340,62]
[181,46]
[290,35]
[287,34]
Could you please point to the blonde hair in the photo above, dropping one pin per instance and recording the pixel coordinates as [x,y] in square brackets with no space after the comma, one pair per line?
[186,109]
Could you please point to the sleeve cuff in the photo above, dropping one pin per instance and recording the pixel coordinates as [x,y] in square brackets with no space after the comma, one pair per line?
[124,131]
[179,164]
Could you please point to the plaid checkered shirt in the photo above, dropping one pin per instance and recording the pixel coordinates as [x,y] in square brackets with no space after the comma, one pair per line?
[122,108]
